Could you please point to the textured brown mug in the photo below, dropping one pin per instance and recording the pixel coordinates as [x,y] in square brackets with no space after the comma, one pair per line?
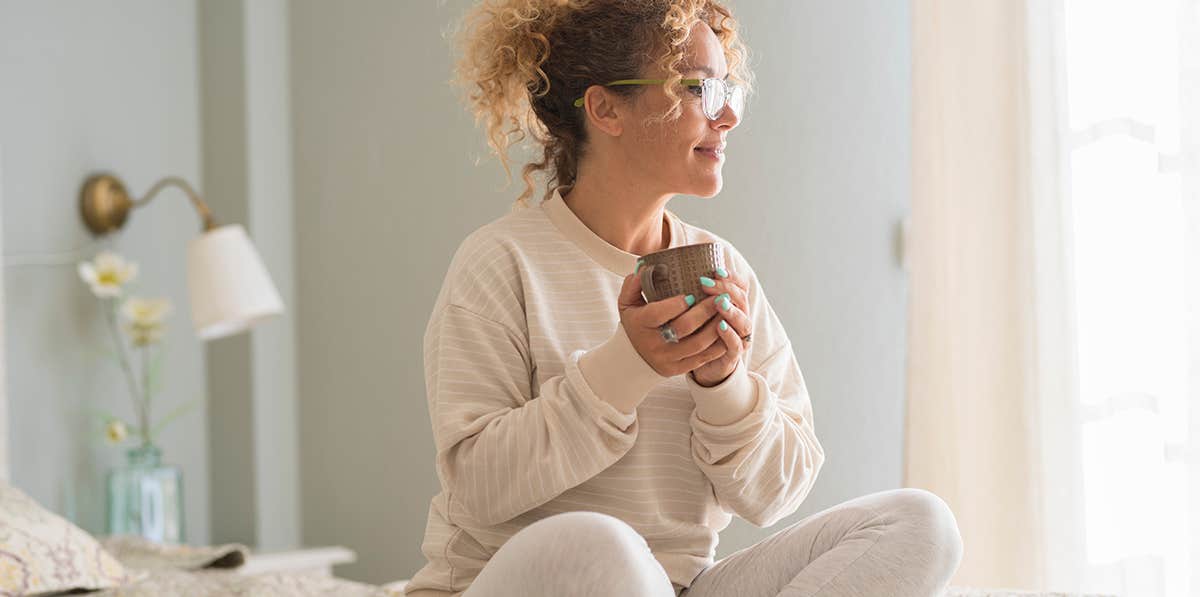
[677,270]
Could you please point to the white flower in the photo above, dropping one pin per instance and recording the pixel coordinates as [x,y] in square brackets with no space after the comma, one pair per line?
[107,273]
[146,311]
[145,317]
[115,431]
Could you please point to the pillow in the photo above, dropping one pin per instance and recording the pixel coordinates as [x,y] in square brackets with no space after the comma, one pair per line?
[41,552]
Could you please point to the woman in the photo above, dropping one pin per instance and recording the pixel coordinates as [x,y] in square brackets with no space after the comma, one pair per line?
[589,443]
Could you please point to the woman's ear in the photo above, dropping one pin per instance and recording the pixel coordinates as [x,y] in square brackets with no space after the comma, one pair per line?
[604,110]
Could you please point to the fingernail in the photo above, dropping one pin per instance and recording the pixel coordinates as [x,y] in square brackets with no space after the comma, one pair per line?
[705,280]
[691,300]
[724,326]
[639,265]
[727,304]
[721,272]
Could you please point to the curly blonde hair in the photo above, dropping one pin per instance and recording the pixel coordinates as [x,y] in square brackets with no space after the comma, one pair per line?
[524,62]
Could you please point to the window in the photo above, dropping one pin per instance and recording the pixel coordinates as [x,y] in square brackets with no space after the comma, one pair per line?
[1133,107]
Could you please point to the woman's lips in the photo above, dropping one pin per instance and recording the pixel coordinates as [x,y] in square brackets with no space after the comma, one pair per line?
[713,153]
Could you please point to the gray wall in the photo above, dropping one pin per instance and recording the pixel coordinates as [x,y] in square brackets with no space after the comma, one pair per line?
[248,177]
[817,180]
[91,86]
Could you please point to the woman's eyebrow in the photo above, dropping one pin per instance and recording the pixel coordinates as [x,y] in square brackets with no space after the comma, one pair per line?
[704,69]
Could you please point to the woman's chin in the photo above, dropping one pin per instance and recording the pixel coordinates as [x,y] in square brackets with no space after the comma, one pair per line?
[707,186]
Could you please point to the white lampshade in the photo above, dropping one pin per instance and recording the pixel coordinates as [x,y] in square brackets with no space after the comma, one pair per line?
[229,286]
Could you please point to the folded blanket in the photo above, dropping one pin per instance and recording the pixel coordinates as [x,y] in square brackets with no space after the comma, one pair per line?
[190,571]
[138,552]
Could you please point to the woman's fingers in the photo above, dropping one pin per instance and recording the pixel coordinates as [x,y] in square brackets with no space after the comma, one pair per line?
[733,278]
[631,293]
[715,350]
[733,309]
[733,285]
[694,319]
[653,314]
[700,338]
[732,347]
[737,321]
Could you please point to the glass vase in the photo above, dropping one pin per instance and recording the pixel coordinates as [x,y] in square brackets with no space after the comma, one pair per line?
[145,497]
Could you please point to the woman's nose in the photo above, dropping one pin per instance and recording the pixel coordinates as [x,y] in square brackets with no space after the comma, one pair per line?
[727,119]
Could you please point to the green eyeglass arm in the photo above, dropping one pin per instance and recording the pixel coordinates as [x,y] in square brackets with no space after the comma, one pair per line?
[579,102]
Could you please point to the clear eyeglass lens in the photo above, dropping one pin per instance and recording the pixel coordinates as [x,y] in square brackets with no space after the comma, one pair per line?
[714,97]
[716,92]
[737,100]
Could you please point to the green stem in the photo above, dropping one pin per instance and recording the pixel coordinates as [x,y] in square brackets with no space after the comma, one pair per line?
[111,317]
[171,416]
[145,415]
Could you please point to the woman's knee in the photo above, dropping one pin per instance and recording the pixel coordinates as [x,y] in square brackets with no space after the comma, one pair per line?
[930,520]
[592,544]
[575,528]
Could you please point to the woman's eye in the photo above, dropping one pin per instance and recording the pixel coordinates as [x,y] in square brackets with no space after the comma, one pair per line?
[696,90]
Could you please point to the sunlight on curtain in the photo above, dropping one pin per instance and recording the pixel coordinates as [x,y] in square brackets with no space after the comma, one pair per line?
[1136,218]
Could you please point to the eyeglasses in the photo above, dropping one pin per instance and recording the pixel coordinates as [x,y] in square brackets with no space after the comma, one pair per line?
[714,94]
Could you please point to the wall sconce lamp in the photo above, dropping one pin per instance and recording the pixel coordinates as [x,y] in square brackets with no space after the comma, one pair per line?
[228,285]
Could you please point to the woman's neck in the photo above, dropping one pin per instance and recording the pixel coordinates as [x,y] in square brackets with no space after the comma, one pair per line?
[625,216]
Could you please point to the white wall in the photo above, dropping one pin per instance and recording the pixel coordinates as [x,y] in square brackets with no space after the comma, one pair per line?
[817,180]
[94,86]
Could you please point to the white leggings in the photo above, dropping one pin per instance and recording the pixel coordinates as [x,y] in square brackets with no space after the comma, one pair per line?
[896,543]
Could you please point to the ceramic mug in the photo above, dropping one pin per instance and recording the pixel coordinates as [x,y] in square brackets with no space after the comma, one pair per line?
[677,270]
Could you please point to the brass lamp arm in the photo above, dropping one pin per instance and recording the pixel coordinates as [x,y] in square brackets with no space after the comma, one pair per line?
[105,204]
[201,207]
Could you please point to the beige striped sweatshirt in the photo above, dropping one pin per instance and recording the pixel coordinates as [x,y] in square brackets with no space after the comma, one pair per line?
[526,363]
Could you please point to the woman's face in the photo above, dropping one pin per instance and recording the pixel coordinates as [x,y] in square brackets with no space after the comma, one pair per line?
[668,155]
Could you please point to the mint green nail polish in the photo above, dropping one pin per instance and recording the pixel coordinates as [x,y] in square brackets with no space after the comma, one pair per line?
[721,272]
[639,265]
[691,300]
[705,280]
[727,304]
[724,326]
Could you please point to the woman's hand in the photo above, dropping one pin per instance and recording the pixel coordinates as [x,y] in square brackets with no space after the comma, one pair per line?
[694,325]
[732,301]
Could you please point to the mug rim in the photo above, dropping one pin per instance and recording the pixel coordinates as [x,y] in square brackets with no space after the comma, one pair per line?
[665,251]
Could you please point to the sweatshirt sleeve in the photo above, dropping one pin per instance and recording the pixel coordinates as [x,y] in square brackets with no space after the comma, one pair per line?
[504,447]
[763,457]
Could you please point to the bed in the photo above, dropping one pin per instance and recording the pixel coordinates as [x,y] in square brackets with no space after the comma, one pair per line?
[951,591]
[42,553]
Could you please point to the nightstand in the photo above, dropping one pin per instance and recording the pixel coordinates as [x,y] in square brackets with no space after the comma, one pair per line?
[318,561]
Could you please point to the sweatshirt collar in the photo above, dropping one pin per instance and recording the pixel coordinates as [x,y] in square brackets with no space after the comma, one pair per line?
[614,259]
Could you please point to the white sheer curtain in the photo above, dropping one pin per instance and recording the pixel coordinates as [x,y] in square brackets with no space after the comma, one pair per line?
[990,415]
[1054,333]
[1132,82]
